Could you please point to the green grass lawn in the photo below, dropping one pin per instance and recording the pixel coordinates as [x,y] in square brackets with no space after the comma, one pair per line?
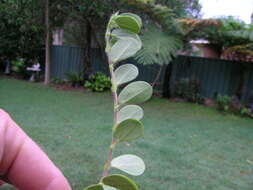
[186,146]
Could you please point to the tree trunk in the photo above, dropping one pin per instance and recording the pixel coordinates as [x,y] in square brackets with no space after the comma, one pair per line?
[47,42]
[157,76]
[167,81]
[87,51]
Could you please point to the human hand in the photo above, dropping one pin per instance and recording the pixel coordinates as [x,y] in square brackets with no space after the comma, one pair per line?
[23,163]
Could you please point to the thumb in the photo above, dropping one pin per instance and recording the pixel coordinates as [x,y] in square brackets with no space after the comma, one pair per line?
[23,163]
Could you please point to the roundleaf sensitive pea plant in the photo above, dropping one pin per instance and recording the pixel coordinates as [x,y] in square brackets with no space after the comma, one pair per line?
[122,42]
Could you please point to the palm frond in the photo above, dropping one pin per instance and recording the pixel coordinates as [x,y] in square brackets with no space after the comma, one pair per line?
[242,53]
[246,49]
[243,34]
[189,24]
[162,39]
[158,47]
[159,14]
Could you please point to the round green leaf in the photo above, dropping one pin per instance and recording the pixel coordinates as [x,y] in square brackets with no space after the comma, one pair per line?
[121,34]
[135,16]
[108,187]
[128,130]
[95,187]
[126,73]
[124,48]
[120,182]
[128,22]
[111,24]
[136,92]
[130,164]
[130,112]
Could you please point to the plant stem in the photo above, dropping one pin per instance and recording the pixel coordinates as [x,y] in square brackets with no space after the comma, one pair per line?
[114,94]
[116,116]
[109,159]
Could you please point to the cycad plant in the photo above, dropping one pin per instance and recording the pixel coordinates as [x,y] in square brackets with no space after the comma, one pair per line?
[122,42]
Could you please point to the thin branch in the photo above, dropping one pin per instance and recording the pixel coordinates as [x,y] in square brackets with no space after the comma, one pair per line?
[116,117]
[157,77]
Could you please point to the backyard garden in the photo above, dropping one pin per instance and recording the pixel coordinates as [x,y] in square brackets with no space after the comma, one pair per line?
[80,96]
[186,146]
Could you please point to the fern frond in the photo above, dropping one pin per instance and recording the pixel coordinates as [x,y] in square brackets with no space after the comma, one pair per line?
[158,47]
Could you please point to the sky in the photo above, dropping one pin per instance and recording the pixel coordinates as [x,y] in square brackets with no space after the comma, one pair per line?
[239,8]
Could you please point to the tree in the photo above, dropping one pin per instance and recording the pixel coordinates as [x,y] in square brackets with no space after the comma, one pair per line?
[47,42]
[160,24]
[183,8]
[20,29]
[225,32]
[92,15]
[159,18]
[232,37]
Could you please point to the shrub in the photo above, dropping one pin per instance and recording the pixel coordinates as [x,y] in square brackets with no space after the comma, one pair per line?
[57,81]
[188,90]
[244,111]
[19,68]
[98,82]
[233,105]
[223,102]
[251,101]
[76,79]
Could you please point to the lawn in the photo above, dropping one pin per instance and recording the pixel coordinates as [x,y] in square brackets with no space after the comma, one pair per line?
[186,146]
